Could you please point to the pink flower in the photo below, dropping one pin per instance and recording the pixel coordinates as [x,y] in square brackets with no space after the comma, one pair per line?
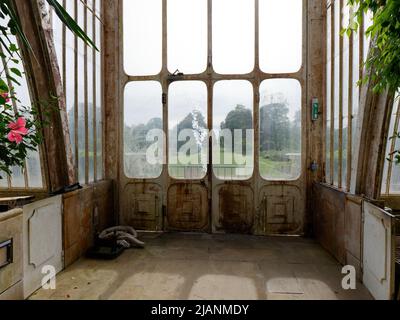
[6,96]
[18,130]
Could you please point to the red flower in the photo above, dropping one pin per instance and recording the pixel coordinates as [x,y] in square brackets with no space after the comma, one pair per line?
[18,130]
[6,97]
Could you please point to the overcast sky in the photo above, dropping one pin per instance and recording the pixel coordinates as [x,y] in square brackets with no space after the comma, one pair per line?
[233,50]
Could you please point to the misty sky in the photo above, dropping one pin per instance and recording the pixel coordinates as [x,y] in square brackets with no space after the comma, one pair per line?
[233,41]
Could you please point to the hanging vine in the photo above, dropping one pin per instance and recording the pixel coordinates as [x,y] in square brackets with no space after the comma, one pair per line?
[383,60]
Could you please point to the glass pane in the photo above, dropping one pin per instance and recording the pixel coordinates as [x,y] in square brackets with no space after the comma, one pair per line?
[187,36]
[98,7]
[281,26]
[90,95]
[233,154]
[280,129]
[395,177]
[328,174]
[58,37]
[17,178]
[3,180]
[70,78]
[188,136]
[233,36]
[81,102]
[392,131]
[34,170]
[142,37]
[356,87]
[345,95]
[394,186]
[142,123]
[336,94]
[99,102]
[368,21]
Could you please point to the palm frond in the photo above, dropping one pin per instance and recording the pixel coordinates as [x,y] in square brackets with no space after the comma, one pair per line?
[70,23]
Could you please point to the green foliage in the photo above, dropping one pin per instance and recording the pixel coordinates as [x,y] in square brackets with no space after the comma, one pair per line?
[135,136]
[70,23]
[14,27]
[240,118]
[383,60]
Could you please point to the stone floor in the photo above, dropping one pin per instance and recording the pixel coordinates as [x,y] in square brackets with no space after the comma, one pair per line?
[200,266]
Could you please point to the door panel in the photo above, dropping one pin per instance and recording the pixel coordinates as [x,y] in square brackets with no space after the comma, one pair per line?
[282,210]
[143,210]
[42,241]
[187,207]
[235,208]
[378,252]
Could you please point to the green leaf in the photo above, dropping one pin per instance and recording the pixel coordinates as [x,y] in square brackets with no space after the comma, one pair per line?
[12,79]
[70,23]
[3,86]
[16,71]
[13,47]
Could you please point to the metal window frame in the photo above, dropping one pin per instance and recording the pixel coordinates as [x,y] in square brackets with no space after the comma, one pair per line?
[89,9]
[351,131]
[210,77]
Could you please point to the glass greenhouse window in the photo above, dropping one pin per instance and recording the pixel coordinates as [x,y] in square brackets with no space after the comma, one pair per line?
[391,171]
[355,89]
[67,59]
[182,29]
[328,97]
[344,57]
[81,101]
[280,129]
[80,67]
[142,37]
[346,108]
[281,35]
[188,136]
[337,104]
[233,36]
[233,156]
[98,96]
[187,36]
[143,117]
